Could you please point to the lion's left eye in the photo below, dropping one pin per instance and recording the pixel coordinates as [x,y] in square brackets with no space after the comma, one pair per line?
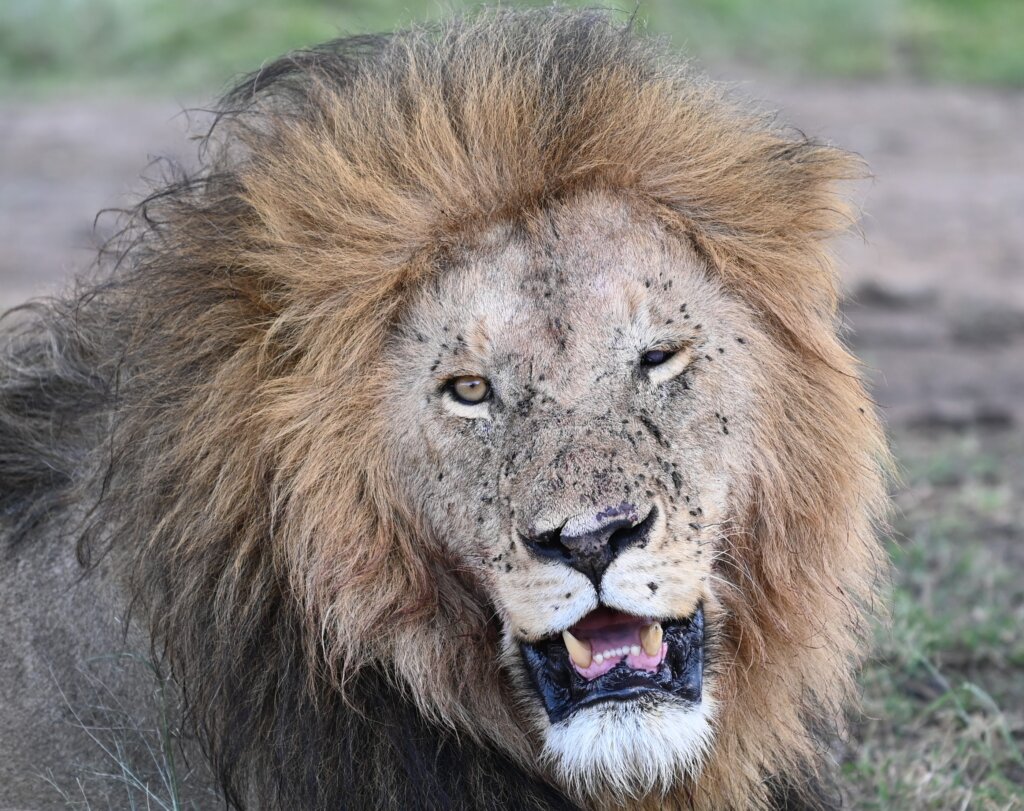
[469,389]
[656,357]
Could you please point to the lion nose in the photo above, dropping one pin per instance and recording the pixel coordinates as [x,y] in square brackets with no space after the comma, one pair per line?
[590,543]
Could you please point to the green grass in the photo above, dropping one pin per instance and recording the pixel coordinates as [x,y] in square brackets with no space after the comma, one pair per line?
[949,40]
[197,45]
[944,698]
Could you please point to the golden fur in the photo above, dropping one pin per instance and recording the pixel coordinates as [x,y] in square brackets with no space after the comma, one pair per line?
[253,464]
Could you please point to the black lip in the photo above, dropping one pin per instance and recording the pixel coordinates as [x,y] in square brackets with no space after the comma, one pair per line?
[564,691]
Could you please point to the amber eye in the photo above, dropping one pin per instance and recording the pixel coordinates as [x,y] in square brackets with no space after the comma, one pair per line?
[655,357]
[469,389]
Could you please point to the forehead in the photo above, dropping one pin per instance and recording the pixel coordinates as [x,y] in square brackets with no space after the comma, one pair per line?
[594,266]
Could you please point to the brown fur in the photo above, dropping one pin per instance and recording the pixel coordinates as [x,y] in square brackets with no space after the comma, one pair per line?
[250,498]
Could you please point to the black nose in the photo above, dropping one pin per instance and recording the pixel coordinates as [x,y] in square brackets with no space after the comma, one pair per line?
[590,546]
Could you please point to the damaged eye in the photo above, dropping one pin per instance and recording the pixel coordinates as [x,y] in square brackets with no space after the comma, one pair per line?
[656,357]
[469,389]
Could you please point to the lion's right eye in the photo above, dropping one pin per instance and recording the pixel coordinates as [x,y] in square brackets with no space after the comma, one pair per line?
[656,357]
[469,389]
[662,365]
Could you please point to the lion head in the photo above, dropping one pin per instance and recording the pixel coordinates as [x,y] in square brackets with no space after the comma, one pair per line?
[482,434]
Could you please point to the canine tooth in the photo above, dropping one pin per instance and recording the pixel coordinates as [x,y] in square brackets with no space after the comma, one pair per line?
[579,652]
[650,639]
[634,650]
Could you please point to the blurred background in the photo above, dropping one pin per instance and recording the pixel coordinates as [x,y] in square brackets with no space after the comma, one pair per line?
[930,92]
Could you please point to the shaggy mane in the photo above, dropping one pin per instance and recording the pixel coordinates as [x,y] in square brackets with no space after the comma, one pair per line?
[210,398]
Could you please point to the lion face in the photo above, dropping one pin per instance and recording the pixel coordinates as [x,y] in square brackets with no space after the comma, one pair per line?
[573,395]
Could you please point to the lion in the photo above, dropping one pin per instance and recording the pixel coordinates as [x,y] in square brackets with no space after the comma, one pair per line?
[472,429]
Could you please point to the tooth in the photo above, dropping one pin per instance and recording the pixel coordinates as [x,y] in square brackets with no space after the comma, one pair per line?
[598,658]
[579,651]
[650,639]
[634,650]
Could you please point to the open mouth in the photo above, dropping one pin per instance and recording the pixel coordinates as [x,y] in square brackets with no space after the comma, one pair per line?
[612,656]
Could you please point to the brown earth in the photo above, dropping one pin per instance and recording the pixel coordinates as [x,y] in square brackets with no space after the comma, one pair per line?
[936,283]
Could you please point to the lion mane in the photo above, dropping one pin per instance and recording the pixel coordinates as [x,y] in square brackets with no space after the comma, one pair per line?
[201,413]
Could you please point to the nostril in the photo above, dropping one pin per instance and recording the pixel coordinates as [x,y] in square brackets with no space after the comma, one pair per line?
[548,545]
[637,535]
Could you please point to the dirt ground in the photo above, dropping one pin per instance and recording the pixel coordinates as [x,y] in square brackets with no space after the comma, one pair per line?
[935,309]
[936,281]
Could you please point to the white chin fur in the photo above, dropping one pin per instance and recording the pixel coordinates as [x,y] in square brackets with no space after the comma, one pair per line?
[629,749]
